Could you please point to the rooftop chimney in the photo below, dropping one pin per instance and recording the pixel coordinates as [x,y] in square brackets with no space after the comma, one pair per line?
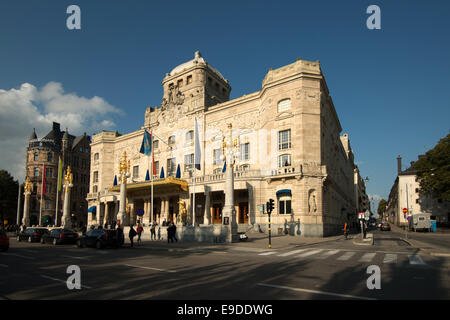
[399,165]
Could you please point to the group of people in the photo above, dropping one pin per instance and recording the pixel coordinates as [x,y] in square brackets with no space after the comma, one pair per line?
[347,229]
[171,233]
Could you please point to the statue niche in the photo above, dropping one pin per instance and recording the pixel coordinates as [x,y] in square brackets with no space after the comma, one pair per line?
[174,97]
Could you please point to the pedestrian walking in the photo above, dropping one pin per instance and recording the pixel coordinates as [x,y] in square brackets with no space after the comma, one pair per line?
[120,237]
[131,235]
[169,234]
[153,230]
[139,231]
[346,230]
[174,232]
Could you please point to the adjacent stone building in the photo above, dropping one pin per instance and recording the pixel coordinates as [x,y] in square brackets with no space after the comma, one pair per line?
[74,151]
[288,135]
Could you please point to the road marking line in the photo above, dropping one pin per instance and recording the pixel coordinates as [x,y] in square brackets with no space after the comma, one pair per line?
[390,258]
[21,256]
[415,259]
[72,257]
[346,256]
[267,253]
[3,265]
[316,292]
[328,254]
[310,253]
[149,268]
[291,252]
[59,280]
[367,257]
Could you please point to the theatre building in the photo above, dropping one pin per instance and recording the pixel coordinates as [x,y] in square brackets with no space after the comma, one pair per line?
[287,142]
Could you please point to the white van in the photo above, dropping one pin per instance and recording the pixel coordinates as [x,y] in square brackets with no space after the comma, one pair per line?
[420,221]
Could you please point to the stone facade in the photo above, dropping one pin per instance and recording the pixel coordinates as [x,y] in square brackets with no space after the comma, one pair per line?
[288,135]
[74,151]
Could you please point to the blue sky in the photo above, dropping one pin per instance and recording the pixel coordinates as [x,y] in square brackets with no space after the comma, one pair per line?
[389,86]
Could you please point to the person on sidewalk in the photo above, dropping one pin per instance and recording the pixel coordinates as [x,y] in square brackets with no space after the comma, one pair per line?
[139,231]
[153,230]
[131,235]
[346,230]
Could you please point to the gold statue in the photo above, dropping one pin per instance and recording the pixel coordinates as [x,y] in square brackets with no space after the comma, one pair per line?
[182,212]
[68,178]
[28,186]
[124,167]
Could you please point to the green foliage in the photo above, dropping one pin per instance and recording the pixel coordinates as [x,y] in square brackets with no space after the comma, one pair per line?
[381,207]
[8,196]
[433,171]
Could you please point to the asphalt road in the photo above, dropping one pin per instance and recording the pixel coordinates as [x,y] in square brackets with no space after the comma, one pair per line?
[329,270]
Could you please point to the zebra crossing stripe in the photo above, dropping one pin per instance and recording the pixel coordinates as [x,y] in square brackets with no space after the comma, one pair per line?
[415,259]
[310,253]
[328,254]
[346,256]
[268,253]
[291,252]
[390,258]
[367,257]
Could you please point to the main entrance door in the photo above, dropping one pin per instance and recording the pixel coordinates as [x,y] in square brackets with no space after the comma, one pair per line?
[217,213]
[243,212]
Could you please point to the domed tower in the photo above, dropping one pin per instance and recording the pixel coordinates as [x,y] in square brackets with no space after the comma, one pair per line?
[196,84]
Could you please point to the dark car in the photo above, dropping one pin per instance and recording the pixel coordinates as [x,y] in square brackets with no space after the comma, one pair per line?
[385,226]
[32,234]
[100,238]
[59,236]
[4,241]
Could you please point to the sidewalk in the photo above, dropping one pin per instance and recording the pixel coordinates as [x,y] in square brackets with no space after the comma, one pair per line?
[256,241]
[428,248]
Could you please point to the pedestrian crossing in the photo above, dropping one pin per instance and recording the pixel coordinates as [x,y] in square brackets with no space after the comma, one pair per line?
[347,255]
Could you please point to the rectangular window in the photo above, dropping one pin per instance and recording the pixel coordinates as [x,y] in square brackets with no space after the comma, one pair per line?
[36,172]
[217,153]
[157,167]
[180,83]
[189,80]
[48,188]
[284,139]
[155,144]
[171,166]
[49,172]
[47,205]
[245,151]
[94,189]
[284,160]
[136,172]
[95,176]
[188,161]
[284,207]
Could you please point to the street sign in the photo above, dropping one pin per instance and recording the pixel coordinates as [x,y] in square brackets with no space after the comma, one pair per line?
[140,212]
[361,215]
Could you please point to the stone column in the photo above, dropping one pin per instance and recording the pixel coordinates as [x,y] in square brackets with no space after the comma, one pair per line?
[132,214]
[106,216]
[26,209]
[207,211]
[121,215]
[66,221]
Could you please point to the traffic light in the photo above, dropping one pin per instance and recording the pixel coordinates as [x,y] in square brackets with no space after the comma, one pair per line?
[270,205]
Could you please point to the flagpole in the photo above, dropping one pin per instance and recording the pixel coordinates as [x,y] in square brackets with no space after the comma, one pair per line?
[195,169]
[151,179]
[42,191]
[57,192]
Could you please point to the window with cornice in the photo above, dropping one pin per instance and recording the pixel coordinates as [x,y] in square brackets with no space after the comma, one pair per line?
[284,139]
[284,105]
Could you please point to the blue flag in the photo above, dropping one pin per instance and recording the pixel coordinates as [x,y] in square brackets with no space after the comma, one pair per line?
[224,167]
[147,176]
[146,146]
[178,175]
[115,181]
[162,173]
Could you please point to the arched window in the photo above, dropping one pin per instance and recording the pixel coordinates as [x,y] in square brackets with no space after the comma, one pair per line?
[190,136]
[284,105]
[171,140]
[284,201]
[96,156]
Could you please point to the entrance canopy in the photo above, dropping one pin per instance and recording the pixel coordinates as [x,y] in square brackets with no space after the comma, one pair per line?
[159,185]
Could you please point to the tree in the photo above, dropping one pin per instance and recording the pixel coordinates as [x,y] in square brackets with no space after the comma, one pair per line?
[8,197]
[433,170]
[381,207]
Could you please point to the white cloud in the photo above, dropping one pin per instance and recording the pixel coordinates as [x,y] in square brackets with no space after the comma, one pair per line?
[26,108]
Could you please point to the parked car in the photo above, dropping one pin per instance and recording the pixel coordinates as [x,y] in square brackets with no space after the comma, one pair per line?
[100,238]
[385,226]
[32,234]
[4,241]
[59,236]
